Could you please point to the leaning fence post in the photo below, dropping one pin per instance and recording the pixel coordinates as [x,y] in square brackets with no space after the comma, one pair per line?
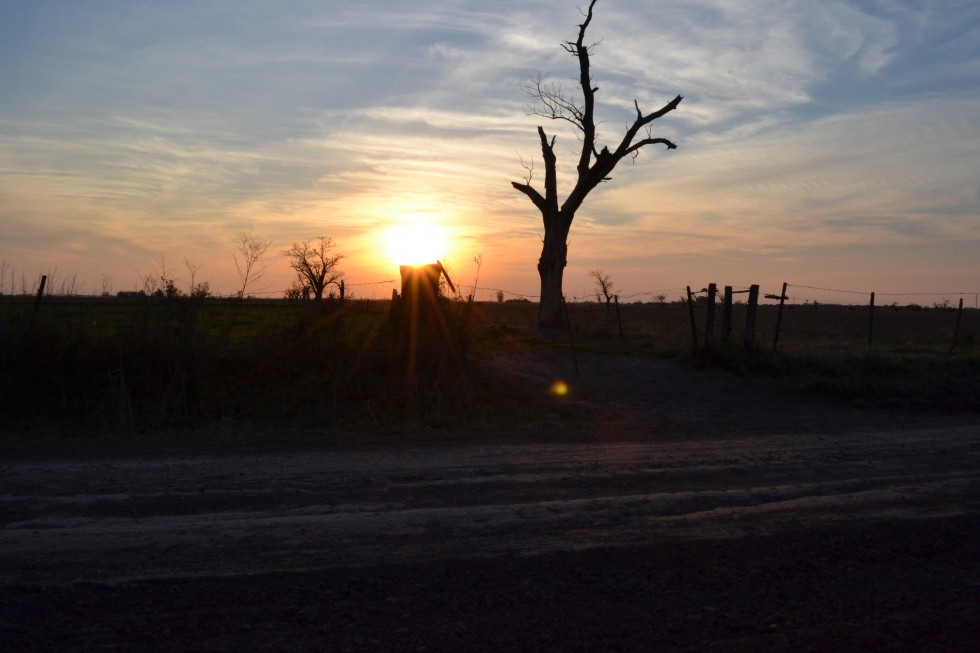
[709,327]
[871,321]
[40,294]
[726,316]
[750,319]
[779,318]
[694,327]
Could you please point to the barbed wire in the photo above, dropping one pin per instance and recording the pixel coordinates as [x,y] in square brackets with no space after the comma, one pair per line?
[591,296]
[887,294]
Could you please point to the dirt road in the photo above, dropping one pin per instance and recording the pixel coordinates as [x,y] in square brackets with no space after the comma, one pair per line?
[763,542]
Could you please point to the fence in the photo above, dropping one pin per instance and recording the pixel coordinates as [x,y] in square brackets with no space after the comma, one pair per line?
[707,319]
[703,319]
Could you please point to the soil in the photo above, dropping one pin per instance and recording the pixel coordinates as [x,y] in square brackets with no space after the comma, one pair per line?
[654,507]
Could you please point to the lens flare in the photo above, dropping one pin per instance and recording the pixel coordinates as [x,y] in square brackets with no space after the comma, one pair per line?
[559,388]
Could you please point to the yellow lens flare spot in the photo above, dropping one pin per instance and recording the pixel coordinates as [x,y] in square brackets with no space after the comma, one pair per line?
[559,388]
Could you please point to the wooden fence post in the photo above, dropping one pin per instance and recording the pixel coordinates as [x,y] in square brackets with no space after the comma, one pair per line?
[750,318]
[871,321]
[779,318]
[956,332]
[709,327]
[694,327]
[726,316]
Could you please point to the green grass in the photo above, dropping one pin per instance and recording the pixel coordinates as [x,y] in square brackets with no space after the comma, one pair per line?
[112,364]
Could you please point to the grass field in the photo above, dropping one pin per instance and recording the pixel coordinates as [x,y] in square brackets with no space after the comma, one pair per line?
[140,363]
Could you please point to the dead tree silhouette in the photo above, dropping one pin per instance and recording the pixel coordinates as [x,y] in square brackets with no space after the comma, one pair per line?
[594,166]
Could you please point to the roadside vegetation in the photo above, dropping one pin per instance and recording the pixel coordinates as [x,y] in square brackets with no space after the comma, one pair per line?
[154,363]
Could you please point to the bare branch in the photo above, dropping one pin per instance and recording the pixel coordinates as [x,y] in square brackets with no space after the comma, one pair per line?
[552,103]
[530,170]
[250,250]
[531,192]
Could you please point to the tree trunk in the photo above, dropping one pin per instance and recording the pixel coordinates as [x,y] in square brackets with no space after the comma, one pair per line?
[551,268]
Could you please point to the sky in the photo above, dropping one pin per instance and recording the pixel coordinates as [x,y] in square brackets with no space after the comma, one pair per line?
[833,145]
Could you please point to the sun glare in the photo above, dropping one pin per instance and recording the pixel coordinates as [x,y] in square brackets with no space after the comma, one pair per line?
[415,244]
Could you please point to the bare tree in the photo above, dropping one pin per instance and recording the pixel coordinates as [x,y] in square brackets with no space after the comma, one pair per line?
[603,285]
[195,289]
[315,267]
[167,279]
[594,165]
[248,258]
[160,283]
[149,282]
[106,285]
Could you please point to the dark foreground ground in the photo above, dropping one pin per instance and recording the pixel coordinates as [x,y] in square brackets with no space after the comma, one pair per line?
[659,525]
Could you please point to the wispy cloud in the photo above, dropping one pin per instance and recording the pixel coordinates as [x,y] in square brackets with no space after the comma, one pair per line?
[132,128]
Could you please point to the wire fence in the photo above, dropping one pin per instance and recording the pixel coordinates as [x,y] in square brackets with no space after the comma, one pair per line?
[801,293]
[664,318]
[707,317]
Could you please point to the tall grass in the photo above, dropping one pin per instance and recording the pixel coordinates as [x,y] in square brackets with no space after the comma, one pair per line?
[153,363]
[149,363]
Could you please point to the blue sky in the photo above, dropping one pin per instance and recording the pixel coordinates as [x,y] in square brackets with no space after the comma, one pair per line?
[827,144]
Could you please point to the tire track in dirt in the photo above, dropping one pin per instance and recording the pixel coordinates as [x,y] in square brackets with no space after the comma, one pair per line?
[168,517]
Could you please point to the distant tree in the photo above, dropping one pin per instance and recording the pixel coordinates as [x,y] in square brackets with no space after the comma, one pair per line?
[160,282]
[298,290]
[315,266]
[201,290]
[594,165]
[106,285]
[603,285]
[248,258]
[500,296]
[196,289]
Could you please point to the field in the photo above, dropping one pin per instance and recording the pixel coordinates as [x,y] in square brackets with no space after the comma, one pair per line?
[276,476]
[123,364]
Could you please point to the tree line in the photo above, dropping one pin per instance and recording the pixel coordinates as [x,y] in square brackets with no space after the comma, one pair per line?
[314,262]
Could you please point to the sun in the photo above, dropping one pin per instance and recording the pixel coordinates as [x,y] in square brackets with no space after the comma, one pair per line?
[415,243]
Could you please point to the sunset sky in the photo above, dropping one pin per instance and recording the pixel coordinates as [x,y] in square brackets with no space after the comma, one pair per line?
[829,144]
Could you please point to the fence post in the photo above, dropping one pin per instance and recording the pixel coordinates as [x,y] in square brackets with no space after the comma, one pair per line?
[40,294]
[709,327]
[726,316]
[956,331]
[619,318]
[779,318]
[871,321]
[750,319]
[690,309]
[571,337]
